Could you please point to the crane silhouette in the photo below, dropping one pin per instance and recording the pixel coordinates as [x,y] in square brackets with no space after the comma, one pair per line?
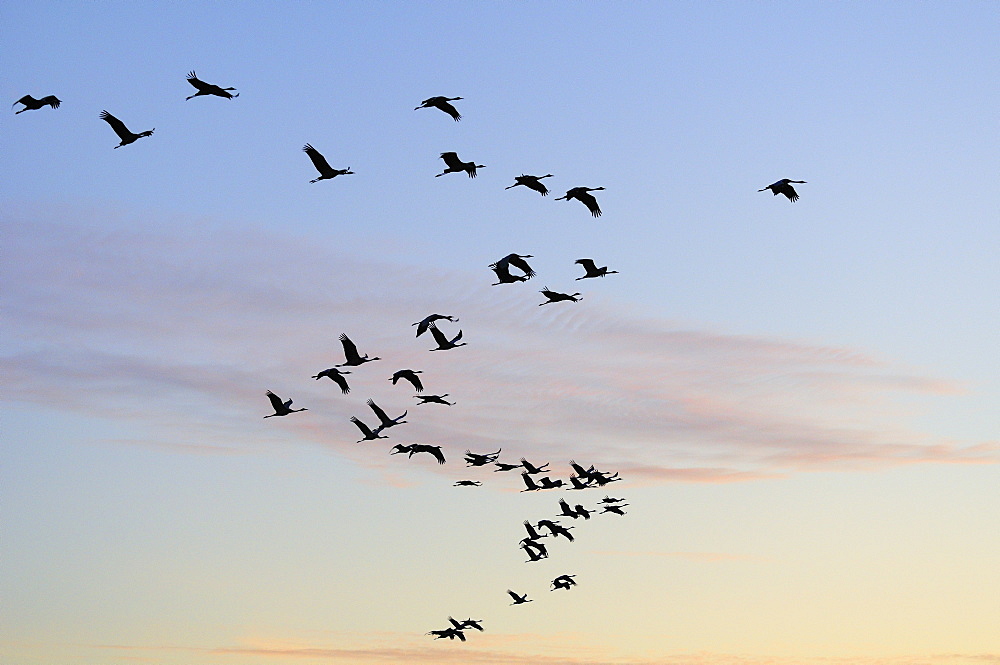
[443,343]
[399,448]
[435,399]
[326,172]
[519,599]
[456,165]
[518,261]
[280,408]
[532,469]
[122,131]
[477,459]
[450,633]
[386,421]
[409,375]
[433,451]
[784,186]
[617,510]
[429,321]
[592,270]
[563,582]
[351,353]
[336,376]
[442,103]
[32,104]
[504,276]
[555,296]
[532,182]
[368,434]
[208,88]
[468,483]
[584,196]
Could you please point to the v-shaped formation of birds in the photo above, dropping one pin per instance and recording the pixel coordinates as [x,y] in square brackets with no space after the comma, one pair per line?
[531,475]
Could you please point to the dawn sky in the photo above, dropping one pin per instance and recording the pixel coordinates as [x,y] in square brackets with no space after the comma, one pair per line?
[801,398]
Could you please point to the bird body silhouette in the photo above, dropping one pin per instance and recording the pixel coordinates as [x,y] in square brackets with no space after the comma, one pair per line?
[429,321]
[563,582]
[456,165]
[433,451]
[32,104]
[208,88]
[592,270]
[519,599]
[409,375]
[468,483]
[532,182]
[281,408]
[435,399]
[336,376]
[584,196]
[122,131]
[443,103]
[367,433]
[443,343]
[555,296]
[784,186]
[353,358]
[326,172]
[386,421]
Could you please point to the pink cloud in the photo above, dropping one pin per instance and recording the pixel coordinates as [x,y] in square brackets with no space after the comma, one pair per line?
[187,329]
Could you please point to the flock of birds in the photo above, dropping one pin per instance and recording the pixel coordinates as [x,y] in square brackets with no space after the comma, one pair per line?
[510,269]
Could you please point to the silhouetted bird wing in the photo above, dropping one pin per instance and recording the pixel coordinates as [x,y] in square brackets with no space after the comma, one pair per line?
[199,84]
[120,129]
[27,100]
[588,265]
[588,200]
[275,401]
[415,380]
[350,350]
[537,185]
[446,106]
[452,161]
[521,264]
[379,412]
[361,426]
[318,160]
[439,337]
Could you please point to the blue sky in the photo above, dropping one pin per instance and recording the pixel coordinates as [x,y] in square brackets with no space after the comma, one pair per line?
[801,397]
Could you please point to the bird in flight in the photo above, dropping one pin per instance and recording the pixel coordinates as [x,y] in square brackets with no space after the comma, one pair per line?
[784,186]
[386,421]
[443,342]
[563,582]
[592,270]
[429,321]
[367,433]
[326,171]
[435,399]
[456,165]
[434,451]
[532,182]
[555,296]
[468,483]
[336,376]
[519,599]
[208,88]
[122,131]
[442,103]
[32,104]
[584,196]
[280,408]
[351,353]
[617,510]
[450,633]
[409,375]
[476,459]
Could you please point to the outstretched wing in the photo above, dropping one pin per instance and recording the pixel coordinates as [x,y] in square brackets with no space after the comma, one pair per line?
[521,264]
[588,265]
[379,412]
[350,350]
[436,452]
[51,100]
[197,82]
[361,426]
[452,161]
[275,401]
[341,381]
[415,380]
[120,129]
[449,109]
[318,160]
[26,100]
[439,336]
[588,200]
[535,184]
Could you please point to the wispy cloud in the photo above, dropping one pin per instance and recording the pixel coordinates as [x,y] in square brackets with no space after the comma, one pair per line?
[187,329]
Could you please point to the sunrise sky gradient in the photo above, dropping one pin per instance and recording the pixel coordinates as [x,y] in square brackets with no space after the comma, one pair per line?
[802,398]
